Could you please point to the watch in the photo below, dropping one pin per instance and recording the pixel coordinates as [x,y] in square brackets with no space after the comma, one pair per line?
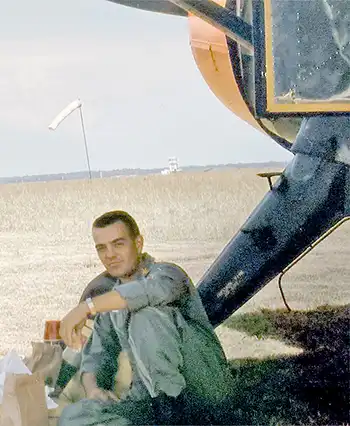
[91,306]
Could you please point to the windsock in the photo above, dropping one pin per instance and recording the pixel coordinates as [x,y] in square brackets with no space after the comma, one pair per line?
[65,113]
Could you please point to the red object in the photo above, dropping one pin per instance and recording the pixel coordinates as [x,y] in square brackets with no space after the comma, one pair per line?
[52,330]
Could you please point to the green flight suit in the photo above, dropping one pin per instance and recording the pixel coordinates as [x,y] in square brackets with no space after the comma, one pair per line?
[171,345]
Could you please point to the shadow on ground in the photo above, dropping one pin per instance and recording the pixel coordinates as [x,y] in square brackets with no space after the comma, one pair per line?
[311,388]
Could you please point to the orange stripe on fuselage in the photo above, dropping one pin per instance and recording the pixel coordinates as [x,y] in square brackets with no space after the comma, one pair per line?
[211,53]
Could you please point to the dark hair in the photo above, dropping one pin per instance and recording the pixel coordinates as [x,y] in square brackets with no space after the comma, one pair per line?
[118,216]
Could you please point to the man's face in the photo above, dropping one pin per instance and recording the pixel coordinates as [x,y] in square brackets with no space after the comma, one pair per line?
[116,249]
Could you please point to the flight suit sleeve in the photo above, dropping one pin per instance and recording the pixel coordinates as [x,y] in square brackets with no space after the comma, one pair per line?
[101,351]
[163,285]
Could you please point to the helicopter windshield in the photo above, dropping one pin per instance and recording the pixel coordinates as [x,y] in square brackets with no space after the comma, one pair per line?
[310,51]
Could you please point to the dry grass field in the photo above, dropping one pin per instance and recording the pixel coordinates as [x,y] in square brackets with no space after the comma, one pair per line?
[47,257]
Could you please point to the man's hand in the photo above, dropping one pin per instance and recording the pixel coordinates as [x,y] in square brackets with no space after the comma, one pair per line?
[72,325]
[101,395]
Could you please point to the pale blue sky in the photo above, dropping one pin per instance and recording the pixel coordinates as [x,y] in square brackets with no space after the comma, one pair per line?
[143,97]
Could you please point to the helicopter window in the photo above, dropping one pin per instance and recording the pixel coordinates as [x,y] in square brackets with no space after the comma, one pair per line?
[307,55]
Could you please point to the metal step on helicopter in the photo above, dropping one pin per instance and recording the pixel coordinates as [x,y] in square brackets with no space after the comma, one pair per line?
[283,66]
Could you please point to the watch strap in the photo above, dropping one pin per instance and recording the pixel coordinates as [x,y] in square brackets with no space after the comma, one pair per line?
[91,306]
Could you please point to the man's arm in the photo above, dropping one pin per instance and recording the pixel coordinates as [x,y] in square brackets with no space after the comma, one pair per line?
[165,284]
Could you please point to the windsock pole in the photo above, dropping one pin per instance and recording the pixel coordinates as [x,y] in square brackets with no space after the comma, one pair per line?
[77,104]
[85,143]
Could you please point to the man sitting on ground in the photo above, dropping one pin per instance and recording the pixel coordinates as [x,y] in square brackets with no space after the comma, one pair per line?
[153,313]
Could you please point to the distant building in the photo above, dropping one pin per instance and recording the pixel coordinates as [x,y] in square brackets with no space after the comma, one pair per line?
[173,166]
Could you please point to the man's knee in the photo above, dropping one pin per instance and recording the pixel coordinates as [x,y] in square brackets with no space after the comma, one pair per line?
[145,314]
[150,315]
[156,325]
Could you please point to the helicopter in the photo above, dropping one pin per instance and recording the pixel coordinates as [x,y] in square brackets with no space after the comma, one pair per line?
[282,66]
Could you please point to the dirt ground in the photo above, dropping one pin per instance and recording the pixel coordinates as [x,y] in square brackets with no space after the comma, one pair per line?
[43,273]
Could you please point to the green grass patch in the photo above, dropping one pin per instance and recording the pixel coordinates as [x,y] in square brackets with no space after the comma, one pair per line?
[308,389]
